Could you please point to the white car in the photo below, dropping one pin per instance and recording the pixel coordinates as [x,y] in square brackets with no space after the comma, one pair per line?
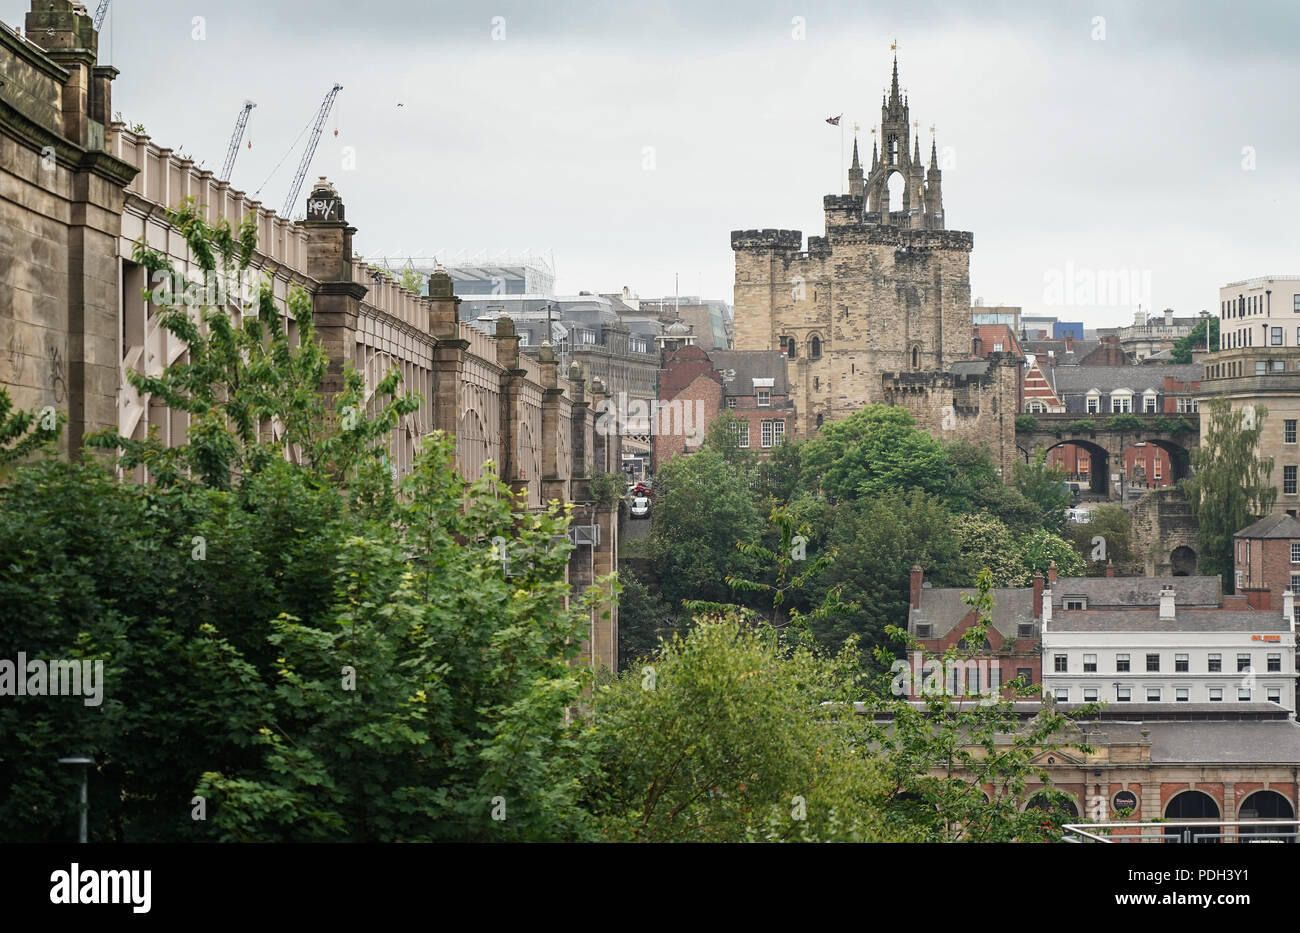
[641,507]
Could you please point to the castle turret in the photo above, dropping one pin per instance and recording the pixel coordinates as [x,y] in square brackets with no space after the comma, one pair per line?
[934,192]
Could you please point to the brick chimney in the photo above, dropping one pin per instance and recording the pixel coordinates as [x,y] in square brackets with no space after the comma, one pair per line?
[1110,569]
[918,577]
[1166,602]
[1038,595]
[1051,572]
[1069,343]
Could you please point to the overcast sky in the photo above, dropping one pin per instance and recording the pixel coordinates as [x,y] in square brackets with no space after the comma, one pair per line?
[630,139]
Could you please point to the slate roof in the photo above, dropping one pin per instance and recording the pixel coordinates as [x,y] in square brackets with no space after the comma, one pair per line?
[1060,354]
[1185,620]
[1272,526]
[749,365]
[970,367]
[1077,380]
[1136,592]
[943,608]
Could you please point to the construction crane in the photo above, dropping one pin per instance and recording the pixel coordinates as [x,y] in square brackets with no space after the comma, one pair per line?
[296,185]
[235,139]
[100,12]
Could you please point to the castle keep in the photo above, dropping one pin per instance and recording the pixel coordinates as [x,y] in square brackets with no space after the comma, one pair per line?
[878,309]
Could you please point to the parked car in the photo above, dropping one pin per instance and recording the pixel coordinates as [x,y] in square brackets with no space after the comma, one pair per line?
[640,507]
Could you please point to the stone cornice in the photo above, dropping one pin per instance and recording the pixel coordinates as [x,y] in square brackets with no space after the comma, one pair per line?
[66,153]
[33,57]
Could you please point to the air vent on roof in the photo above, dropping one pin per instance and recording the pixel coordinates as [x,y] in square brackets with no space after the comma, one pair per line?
[924,629]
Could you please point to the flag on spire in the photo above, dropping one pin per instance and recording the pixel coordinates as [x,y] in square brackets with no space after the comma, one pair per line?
[834,121]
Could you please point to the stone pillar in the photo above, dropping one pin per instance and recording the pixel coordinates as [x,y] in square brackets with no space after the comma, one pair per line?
[337,301]
[554,485]
[512,405]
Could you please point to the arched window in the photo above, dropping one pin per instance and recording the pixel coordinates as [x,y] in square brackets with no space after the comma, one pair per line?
[916,358]
[819,420]
[815,347]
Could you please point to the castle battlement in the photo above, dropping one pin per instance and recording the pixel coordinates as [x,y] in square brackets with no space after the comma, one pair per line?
[767,239]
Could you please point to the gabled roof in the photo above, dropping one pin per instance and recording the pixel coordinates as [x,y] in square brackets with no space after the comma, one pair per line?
[944,608]
[1272,526]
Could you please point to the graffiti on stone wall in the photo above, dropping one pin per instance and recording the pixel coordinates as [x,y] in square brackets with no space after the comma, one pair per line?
[58,384]
[17,357]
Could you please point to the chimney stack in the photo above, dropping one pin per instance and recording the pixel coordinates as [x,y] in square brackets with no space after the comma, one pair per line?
[1051,572]
[1288,608]
[1047,608]
[1166,602]
[1110,568]
[1038,595]
[918,576]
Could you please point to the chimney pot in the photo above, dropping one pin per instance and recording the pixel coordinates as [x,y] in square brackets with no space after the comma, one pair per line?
[1166,602]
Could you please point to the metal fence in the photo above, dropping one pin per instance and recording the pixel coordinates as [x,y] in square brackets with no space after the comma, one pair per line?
[1185,831]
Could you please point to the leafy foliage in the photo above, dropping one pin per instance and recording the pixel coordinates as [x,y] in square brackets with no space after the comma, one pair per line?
[1230,487]
[1196,340]
[1043,484]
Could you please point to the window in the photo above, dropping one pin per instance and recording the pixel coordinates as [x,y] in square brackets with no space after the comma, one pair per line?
[1180,663]
[1025,630]
[1260,367]
[1288,479]
[1243,694]
[1216,694]
[1121,663]
[815,347]
[1274,694]
[773,433]
[1062,694]
[1243,662]
[1123,694]
[742,433]
[1153,694]
[1094,404]
[1214,664]
[1288,431]
[1076,602]
[1122,403]
[731,403]
[1274,663]
[1060,664]
[1295,303]
[1182,695]
[1090,664]
[764,398]
[1275,337]
[1295,552]
[1186,405]
[1025,675]
[923,630]
[1277,366]
[997,346]
[1295,583]
[1149,403]
[1090,694]
[1153,662]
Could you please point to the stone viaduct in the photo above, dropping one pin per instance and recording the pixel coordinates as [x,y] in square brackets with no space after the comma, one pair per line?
[78,189]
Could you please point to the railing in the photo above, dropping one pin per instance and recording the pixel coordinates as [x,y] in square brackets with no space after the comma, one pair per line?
[1186,831]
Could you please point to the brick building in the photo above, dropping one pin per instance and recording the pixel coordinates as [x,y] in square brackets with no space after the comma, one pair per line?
[754,390]
[1266,559]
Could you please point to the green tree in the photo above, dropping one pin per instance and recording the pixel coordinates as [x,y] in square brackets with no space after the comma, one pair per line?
[412,281]
[702,509]
[1114,526]
[24,432]
[1230,486]
[725,737]
[1196,340]
[875,450]
[723,437]
[1043,484]
[877,542]
[644,620]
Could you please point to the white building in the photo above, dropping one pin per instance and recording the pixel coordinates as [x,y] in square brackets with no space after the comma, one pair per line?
[1260,312]
[1170,654]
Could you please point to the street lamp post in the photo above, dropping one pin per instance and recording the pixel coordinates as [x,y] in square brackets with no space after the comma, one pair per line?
[84,763]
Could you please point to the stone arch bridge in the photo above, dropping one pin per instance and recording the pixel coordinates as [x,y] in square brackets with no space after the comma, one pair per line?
[1106,442]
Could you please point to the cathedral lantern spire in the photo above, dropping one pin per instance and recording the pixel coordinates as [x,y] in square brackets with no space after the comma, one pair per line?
[855,170]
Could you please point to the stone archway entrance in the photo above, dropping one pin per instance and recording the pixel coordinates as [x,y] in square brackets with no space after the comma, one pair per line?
[1183,561]
[1097,475]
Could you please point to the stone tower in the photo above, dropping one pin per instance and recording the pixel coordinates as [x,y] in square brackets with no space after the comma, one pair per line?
[884,294]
